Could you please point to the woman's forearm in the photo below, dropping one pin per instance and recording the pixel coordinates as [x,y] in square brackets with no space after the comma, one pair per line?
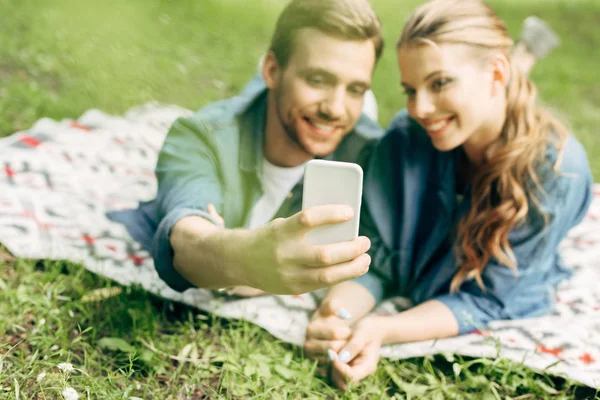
[430,320]
[353,297]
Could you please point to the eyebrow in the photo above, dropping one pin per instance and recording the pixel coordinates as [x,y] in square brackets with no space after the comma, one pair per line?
[403,84]
[332,76]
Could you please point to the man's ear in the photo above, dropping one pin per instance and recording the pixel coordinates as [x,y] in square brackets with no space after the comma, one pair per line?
[500,73]
[271,71]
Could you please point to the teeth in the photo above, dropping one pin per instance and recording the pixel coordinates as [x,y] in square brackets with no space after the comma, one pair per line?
[324,128]
[437,126]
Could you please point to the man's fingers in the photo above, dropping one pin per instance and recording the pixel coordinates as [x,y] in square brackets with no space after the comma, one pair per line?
[316,216]
[212,211]
[336,253]
[329,276]
[246,291]
[330,254]
[328,329]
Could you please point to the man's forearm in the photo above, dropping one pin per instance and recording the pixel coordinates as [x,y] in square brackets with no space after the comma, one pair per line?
[205,254]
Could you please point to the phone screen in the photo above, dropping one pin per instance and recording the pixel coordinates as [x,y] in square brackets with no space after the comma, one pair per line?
[333,182]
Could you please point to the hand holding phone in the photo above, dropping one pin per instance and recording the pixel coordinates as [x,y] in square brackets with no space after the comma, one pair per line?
[311,249]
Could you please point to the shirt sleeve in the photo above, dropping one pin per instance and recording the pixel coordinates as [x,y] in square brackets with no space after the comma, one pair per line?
[529,291]
[188,181]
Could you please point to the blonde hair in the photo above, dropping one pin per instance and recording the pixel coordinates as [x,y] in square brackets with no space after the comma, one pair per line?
[343,19]
[508,182]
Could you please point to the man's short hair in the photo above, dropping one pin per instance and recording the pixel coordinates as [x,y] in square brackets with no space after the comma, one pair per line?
[343,19]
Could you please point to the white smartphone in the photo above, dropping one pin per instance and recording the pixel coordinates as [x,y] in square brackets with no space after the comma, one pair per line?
[333,182]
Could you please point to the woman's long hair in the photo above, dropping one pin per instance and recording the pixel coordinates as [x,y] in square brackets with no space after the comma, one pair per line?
[508,182]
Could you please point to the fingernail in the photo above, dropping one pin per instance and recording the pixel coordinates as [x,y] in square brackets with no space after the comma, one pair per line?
[367,243]
[344,314]
[344,356]
[331,354]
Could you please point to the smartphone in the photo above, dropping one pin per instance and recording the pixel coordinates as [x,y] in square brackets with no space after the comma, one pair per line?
[333,182]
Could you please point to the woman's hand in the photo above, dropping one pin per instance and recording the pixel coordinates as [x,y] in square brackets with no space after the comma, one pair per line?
[328,331]
[359,357]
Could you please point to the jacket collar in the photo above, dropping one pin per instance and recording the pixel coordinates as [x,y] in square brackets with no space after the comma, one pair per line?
[445,178]
[251,113]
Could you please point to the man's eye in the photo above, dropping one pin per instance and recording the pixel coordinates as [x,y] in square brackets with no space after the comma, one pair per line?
[357,91]
[409,92]
[315,80]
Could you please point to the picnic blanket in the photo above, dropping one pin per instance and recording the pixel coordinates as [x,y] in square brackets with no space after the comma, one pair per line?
[58,180]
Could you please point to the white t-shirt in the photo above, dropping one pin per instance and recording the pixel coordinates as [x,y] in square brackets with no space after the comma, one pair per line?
[277,183]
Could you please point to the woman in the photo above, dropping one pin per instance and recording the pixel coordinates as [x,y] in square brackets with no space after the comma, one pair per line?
[466,198]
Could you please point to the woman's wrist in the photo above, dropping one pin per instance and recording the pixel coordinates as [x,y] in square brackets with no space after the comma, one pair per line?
[380,327]
[354,301]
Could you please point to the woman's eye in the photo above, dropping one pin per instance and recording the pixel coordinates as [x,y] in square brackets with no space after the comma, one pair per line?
[440,83]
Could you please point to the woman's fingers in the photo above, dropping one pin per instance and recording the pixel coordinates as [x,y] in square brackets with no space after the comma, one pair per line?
[323,348]
[331,328]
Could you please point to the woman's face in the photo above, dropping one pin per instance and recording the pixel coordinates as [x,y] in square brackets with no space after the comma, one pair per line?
[451,94]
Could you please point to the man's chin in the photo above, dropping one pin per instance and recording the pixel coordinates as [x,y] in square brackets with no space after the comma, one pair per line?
[319,149]
[320,152]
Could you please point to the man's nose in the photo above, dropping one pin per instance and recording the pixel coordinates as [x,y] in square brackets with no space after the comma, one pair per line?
[334,104]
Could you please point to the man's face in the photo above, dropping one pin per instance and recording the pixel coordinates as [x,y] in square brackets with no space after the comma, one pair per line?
[319,95]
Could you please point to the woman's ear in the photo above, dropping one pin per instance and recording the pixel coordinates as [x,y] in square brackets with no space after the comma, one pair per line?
[500,73]
[271,71]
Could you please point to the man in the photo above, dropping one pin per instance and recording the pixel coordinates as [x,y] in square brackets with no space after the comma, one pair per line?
[243,159]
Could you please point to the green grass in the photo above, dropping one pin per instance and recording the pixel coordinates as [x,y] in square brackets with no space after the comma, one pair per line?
[59,58]
[123,346]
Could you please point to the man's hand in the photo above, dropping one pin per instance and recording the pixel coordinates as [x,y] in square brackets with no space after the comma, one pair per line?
[327,332]
[359,357]
[274,258]
[277,259]
[242,291]
[212,211]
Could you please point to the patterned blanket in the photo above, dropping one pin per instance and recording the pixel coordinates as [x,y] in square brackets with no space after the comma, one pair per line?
[58,180]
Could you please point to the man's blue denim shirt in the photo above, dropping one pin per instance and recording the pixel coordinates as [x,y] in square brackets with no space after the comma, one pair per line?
[214,157]
[410,212]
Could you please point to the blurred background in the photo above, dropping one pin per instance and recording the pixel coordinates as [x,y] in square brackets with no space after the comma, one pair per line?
[59,58]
